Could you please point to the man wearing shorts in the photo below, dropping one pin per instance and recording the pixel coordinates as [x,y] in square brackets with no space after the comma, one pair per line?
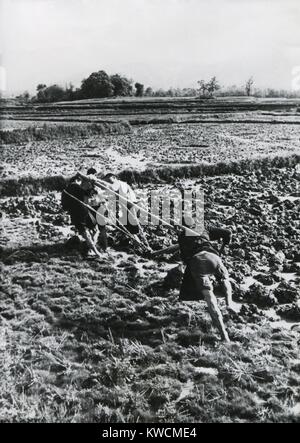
[203,262]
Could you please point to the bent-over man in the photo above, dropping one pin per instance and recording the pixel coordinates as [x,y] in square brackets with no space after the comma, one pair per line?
[203,261]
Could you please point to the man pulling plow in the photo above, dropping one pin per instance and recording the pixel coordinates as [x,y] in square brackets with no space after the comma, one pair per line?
[202,259]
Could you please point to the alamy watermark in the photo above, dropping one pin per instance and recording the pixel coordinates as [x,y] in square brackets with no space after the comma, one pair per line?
[178,208]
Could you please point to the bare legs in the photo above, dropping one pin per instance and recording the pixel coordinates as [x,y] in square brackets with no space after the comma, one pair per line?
[227,291]
[90,242]
[215,313]
[226,288]
[205,288]
[134,220]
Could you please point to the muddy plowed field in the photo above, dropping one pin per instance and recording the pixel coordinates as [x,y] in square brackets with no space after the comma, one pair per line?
[107,340]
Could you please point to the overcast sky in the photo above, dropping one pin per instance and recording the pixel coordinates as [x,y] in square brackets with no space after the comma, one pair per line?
[160,43]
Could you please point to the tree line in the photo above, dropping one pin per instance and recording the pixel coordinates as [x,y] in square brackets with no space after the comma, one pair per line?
[97,85]
[101,85]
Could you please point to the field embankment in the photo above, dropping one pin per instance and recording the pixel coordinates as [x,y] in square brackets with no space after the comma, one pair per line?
[149,148]
[29,185]
[52,132]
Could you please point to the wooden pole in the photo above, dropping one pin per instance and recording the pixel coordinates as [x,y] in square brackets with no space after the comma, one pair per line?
[101,184]
[169,250]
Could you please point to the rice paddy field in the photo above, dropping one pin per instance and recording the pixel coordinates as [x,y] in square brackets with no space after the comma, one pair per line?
[108,340]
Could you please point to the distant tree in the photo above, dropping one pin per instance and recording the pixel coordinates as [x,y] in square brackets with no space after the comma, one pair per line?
[149,92]
[24,98]
[69,92]
[122,86]
[208,89]
[249,86]
[171,92]
[40,92]
[202,88]
[189,92]
[213,86]
[40,87]
[97,85]
[177,92]
[77,94]
[55,93]
[160,93]
[139,90]
[41,97]
[51,94]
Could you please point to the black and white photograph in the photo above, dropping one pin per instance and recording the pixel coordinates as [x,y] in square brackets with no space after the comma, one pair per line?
[149,214]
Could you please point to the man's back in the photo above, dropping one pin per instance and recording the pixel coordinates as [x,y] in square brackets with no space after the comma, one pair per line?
[191,245]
